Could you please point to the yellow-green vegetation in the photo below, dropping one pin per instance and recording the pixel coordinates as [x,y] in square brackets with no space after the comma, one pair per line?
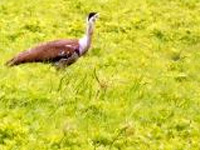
[138,87]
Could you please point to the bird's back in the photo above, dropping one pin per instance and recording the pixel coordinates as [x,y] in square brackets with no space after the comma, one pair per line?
[50,51]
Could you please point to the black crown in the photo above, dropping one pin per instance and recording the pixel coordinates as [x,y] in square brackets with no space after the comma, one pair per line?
[91,15]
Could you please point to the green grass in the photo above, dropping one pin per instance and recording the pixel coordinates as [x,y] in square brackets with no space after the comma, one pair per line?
[136,89]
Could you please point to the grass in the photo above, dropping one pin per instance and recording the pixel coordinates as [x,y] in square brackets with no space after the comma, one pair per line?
[137,88]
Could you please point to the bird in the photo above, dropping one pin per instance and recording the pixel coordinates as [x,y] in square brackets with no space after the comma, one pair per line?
[62,52]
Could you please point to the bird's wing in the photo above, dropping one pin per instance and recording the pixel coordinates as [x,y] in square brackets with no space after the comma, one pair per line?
[50,51]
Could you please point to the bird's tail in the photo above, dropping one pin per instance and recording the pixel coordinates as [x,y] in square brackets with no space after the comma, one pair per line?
[11,62]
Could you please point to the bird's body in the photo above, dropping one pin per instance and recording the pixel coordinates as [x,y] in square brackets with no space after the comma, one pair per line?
[47,52]
[61,52]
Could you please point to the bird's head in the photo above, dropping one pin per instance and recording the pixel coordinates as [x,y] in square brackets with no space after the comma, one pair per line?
[92,17]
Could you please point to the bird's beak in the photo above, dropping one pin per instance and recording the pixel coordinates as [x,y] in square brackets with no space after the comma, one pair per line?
[97,15]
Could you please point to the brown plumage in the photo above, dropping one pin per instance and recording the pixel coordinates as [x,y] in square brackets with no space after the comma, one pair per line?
[47,52]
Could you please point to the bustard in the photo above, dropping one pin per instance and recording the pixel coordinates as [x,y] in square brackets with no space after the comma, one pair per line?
[62,52]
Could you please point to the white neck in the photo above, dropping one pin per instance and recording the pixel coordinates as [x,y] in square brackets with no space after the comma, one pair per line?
[85,41]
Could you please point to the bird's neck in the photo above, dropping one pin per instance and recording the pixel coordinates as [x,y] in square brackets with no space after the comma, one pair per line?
[86,40]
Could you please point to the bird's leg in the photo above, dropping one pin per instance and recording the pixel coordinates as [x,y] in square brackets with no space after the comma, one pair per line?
[64,62]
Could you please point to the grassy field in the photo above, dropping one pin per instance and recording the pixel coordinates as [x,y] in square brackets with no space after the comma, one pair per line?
[138,88]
